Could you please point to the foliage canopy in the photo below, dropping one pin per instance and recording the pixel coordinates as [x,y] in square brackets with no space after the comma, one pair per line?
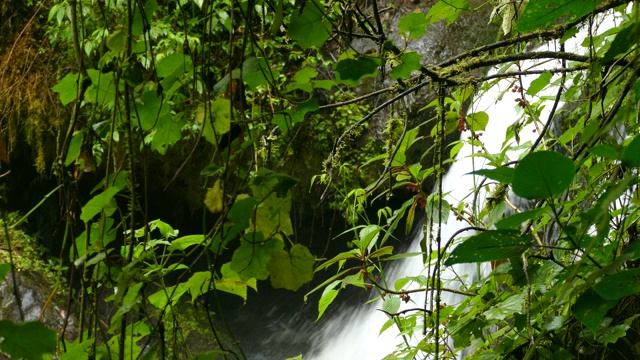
[244,89]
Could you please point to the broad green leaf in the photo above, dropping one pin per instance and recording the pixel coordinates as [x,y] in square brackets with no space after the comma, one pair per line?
[543,174]
[272,214]
[489,245]
[604,151]
[103,88]
[514,221]
[117,41]
[289,118]
[391,304]
[29,340]
[186,241]
[74,148]
[290,270]
[410,61]
[233,284]
[256,72]
[352,67]
[102,201]
[477,121]
[218,123]
[626,39]
[151,110]
[507,308]
[198,284]
[631,155]
[620,284]
[77,351]
[308,27]
[161,298]
[251,258]
[503,174]
[414,24]
[67,88]
[167,132]
[173,65]
[590,309]
[540,83]
[449,10]
[543,14]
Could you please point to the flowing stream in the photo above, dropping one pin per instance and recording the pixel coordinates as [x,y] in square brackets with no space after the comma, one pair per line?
[354,332]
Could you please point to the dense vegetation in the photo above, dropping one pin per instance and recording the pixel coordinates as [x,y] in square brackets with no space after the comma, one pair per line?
[243,106]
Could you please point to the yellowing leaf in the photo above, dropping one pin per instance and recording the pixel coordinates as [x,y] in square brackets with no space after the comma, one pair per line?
[291,270]
[213,199]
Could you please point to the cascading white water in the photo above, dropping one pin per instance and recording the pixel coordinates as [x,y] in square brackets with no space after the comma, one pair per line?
[353,332]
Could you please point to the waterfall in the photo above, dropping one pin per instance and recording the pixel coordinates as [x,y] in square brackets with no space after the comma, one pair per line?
[353,333]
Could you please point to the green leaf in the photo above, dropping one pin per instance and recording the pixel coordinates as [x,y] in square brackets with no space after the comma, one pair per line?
[352,67]
[28,340]
[626,39]
[604,151]
[514,221]
[507,308]
[489,245]
[151,109]
[543,174]
[117,41]
[74,148]
[391,304]
[161,298]
[175,64]
[103,88]
[328,295]
[102,201]
[256,72]
[631,155]
[620,284]
[167,132]
[591,308]
[543,14]
[290,270]
[477,121]
[186,241]
[540,83]
[449,10]
[4,270]
[211,355]
[251,258]
[309,27]
[410,61]
[67,88]
[414,24]
[503,174]
[77,351]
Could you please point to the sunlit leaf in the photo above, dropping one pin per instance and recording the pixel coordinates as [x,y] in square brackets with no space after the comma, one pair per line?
[391,304]
[477,121]
[410,61]
[514,221]
[102,201]
[489,245]
[449,10]
[542,14]
[214,198]
[540,83]
[290,270]
[67,88]
[543,174]
[184,242]
[251,258]
[414,24]
[328,295]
